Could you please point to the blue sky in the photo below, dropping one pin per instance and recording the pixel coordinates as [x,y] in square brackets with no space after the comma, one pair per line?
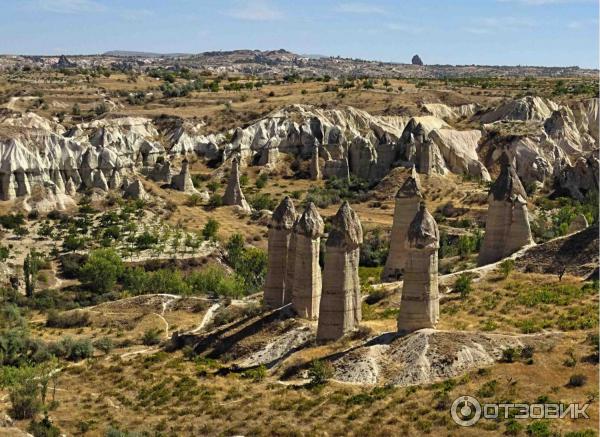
[508,32]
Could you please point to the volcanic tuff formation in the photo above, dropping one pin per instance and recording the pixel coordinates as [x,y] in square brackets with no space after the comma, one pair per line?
[419,306]
[340,309]
[507,223]
[233,192]
[280,230]
[306,288]
[408,199]
[560,145]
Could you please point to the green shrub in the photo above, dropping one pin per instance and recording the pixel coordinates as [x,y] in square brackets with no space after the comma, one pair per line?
[256,374]
[104,344]
[506,267]
[319,372]
[69,319]
[262,201]
[210,229]
[151,337]
[539,429]
[44,428]
[215,201]
[577,380]
[101,270]
[464,285]
[261,181]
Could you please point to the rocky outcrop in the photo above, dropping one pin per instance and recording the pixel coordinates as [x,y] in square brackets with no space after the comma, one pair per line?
[183,181]
[340,309]
[408,199]
[135,190]
[280,231]
[306,288]
[581,178]
[426,356]
[459,150]
[529,108]
[161,172]
[233,192]
[416,60]
[507,222]
[419,306]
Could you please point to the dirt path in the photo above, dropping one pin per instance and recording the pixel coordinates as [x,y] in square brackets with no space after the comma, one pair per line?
[207,318]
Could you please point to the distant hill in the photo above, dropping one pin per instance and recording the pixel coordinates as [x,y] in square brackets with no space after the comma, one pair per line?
[132,54]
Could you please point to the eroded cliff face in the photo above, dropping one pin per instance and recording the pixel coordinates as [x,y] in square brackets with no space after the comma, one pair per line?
[544,138]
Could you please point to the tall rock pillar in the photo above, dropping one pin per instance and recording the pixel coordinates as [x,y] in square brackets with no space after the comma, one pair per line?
[280,231]
[408,198]
[233,192]
[419,306]
[315,170]
[507,222]
[340,310]
[306,289]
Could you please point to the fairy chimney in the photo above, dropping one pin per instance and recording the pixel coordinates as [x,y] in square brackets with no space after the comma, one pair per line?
[340,309]
[233,192]
[408,198]
[183,181]
[306,288]
[315,170]
[419,305]
[507,223]
[280,231]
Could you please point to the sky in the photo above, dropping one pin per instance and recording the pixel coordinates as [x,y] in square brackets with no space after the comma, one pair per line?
[490,32]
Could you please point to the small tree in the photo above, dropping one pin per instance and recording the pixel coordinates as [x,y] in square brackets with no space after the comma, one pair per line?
[463,285]
[210,229]
[102,269]
[31,266]
[506,267]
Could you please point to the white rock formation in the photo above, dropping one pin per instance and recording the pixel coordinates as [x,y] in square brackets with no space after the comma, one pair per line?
[280,231]
[419,306]
[183,181]
[340,308]
[507,223]
[233,192]
[408,199]
[306,288]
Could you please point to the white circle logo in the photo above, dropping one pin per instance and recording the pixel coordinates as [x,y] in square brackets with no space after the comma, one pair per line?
[466,410]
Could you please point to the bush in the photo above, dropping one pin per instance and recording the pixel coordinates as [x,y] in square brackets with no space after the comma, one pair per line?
[256,374]
[577,380]
[539,429]
[215,201]
[506,267]
[24,400]
[509,355]
[72,349]
[69,319]
[262,201]
[101,270]
[261,181]
[151,337]
[319,372]
[43,428]
[463,285]
[210,229]
[104,344]
[375,249]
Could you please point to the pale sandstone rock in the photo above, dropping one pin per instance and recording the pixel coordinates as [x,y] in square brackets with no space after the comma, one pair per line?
[408,199]
[340,308]
[306,288]
[183,181]
[507,223]
[315,169]
[280,230]
[233,192]
[419,306]
[135,190]
[99,181]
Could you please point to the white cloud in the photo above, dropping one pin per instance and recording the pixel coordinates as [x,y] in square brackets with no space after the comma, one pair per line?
[254,10]
[67,6]
[359,8]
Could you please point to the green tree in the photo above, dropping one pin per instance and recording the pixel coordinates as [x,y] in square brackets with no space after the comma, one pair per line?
[102,269]
[31,266]
[210,229]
